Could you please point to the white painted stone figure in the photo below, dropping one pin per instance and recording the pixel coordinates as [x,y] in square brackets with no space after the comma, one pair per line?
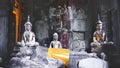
[28,38]
[55,43]
[92,63]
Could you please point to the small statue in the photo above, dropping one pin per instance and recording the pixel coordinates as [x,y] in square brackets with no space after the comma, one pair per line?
[64,38]
[52,12]
[55,43]
[28,38]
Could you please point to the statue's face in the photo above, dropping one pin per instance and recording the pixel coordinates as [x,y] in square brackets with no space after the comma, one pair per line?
[99,27]
[28,27]
[55,37]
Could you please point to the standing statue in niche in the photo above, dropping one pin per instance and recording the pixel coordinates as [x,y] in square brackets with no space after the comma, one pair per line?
[28,38]
[59,12]
[52,14]
[55,43]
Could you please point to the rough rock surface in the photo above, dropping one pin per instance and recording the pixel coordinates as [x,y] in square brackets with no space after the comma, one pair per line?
[34,57]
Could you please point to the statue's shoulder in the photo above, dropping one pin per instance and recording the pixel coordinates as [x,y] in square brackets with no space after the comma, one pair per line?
[33,33]
[52,42]
[24,32]
[95,32]
[103,31]
[58,42]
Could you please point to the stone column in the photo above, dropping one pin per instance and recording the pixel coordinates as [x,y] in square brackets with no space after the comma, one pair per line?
[3,29]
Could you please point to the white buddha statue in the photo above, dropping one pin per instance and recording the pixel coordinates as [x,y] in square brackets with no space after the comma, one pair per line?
[28,38]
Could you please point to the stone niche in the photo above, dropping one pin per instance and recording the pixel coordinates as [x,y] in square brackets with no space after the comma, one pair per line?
[41,30]
[79,28]
[79,23]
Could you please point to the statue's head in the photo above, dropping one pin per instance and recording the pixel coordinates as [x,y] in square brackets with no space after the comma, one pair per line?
[99,25]
[55,36]
[28,25]
[59,6]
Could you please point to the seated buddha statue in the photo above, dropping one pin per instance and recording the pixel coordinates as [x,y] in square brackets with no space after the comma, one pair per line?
[99,37]
[28,37]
